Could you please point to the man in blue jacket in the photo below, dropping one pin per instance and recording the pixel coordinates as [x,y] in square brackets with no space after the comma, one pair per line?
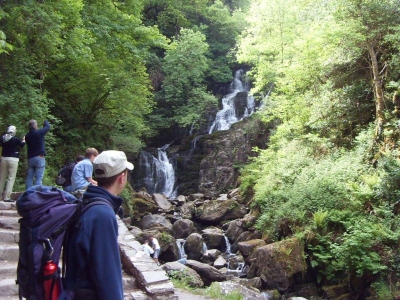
[93,264]
[36,153]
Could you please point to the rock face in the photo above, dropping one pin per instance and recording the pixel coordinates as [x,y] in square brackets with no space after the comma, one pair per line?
[209,163]
[276,263]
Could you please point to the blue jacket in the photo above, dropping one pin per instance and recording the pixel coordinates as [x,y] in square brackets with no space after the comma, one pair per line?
[35,140]
[93,259]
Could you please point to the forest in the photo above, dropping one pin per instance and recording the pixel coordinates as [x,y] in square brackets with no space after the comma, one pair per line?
[116,74]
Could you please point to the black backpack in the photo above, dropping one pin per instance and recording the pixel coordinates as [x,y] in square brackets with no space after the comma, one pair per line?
[46,215]
[64,175]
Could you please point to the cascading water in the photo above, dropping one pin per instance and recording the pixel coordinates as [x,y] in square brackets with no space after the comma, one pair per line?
[231,112]
[227,245]
[157,174]
[181,243]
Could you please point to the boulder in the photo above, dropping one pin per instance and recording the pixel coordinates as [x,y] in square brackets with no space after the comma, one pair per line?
[215,211]
[142,207]
[156,221]
[162,201]
[181,200]
[182,228]
[247,247]
[247,293]
[144,195]
[194,197]
[208,273]
[245,236]
[214,238]
[180,271]
[194,246]
[187,210]
[234,230]
[276,263]
[220,262]
[210,256]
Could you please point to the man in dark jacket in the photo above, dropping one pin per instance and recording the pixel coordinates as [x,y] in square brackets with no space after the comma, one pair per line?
[36,153]
[93,264]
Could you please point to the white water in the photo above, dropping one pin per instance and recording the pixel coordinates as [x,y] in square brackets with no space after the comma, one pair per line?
[159,172]
[181,243]
[228,245]
[228,114]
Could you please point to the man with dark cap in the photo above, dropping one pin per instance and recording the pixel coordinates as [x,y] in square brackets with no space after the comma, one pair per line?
[36,153]
[93,263]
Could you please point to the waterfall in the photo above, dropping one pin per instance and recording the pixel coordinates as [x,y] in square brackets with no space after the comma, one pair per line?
[181,243]
[231,112]
[228,245]
[157,175]
[204,250]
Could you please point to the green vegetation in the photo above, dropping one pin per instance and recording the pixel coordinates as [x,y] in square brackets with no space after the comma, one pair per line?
[213,291]
[113,74]
[330,175]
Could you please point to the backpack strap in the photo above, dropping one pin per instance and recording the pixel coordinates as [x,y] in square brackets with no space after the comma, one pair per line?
[84,206]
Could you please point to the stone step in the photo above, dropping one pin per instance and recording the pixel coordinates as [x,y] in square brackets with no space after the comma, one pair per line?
[8,206]
[8,270]
[8,288]
[9,236]
[9,253]
[9,223]
[9,213]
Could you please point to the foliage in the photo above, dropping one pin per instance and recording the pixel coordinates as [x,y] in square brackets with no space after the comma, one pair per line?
[181,280]
[183,87]
[215,292]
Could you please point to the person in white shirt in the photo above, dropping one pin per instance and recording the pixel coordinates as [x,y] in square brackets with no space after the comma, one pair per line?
[146,248]
[156,248]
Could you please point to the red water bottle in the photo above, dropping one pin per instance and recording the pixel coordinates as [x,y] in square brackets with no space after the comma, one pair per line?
[51,284]
[51,278]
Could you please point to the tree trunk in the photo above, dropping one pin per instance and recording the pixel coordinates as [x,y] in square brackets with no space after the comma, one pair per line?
[379,100]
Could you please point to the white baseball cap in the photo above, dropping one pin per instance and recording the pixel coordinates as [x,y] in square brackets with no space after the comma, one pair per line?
[109,163]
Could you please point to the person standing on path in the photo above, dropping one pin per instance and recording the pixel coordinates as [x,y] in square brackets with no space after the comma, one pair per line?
[10,145]
[93,262]
[36,153]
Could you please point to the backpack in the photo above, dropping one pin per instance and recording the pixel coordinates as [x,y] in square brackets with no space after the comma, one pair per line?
[47,213]
[64,175]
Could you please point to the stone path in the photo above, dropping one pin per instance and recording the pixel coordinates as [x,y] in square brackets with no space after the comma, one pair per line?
[143,279]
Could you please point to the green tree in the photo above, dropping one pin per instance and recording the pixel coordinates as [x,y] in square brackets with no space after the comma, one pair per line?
[183,89]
